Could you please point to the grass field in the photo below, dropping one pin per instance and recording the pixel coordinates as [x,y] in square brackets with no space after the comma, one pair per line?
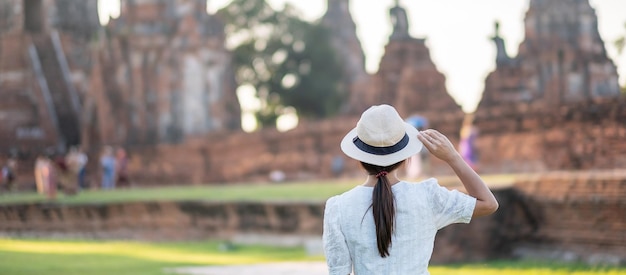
[295,191]
[239,192]
[30,257]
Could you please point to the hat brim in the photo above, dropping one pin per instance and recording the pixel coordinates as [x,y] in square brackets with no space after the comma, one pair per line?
[413,147]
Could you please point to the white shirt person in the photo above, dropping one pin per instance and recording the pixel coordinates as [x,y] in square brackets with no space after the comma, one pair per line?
[386,225]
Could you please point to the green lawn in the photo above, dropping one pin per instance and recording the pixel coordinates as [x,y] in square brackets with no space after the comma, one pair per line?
[240,192]
[295,191]
[25,257]
[30,257]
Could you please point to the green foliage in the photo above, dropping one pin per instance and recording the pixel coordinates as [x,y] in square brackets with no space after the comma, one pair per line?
[290,62]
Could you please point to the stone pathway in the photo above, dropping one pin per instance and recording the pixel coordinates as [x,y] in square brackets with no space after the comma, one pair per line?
[300,268]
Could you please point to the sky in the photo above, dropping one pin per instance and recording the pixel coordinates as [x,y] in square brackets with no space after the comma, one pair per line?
[457,33]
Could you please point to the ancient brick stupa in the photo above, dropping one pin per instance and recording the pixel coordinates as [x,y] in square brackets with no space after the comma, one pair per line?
[557,104]
[408,79]
[561,60]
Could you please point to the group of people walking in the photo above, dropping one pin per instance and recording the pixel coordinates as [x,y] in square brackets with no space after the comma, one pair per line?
[58,171]
[67,172]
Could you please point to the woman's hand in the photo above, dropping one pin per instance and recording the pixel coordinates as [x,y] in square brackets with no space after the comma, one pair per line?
[438,145]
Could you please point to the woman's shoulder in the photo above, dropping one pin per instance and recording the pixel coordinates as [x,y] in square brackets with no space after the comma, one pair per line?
[420,185]
[349,195]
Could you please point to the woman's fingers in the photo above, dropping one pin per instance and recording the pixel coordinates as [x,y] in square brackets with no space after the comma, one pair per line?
[437,143]
[425,138]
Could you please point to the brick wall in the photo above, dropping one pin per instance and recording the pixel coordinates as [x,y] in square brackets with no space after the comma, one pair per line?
[581,212]
[527,137]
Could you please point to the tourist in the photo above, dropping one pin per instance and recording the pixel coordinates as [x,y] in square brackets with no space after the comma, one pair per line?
[121,169]
[46,175]
[81,164]
[337,165]
[77,161]
[107,163]
[64,174]
[417,165]
[40,180]
[386,225]
[467,142]
[7,174]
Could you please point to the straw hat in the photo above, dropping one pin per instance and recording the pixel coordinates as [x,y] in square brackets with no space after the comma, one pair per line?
[381,137]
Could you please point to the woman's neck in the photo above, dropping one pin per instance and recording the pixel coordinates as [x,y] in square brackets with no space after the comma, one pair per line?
[371,180]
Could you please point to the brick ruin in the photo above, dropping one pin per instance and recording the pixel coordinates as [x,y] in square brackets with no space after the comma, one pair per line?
[43,71]
[149,86]
[557,105]
[165,75]
[166,91]
[158,73]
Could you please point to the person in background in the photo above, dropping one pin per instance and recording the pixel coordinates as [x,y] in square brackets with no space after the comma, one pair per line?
[387,225]
[40,164]
[8,174]
[77,161]
[121,162]
[64,174]
[467,142]
[45,174]
[107,163]
[337,165]
[82,159]
[418,165]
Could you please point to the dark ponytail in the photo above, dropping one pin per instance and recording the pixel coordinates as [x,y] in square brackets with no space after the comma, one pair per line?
[383,206]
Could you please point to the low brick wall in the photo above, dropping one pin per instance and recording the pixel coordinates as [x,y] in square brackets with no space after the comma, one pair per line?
[583,213]
[172,220]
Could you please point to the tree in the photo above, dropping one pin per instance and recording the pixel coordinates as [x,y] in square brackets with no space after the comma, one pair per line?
[290,62]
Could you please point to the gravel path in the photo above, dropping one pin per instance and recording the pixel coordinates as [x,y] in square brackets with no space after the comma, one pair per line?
[300,268]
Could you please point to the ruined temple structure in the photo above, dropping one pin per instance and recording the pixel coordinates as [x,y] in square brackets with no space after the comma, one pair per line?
[562,59]
[162,74]
[43,71]
[557,104]
[409,80]
[159,73]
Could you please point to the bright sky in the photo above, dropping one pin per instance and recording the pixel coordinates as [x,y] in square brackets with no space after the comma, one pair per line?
[458,34]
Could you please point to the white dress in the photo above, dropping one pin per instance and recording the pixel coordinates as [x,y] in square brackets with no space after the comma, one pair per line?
[421,210]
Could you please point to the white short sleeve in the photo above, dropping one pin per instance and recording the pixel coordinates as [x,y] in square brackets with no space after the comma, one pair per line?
[450,206]
[335,246]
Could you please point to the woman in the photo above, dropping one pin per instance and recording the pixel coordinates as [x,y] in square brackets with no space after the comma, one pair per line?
[388,226]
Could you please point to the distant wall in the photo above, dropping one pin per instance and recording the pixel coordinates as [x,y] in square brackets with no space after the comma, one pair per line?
[306,152]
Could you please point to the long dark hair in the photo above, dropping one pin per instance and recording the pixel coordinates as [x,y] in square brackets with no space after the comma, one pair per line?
[383,205]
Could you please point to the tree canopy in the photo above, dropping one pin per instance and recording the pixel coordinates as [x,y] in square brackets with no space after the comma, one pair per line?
[289,61]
